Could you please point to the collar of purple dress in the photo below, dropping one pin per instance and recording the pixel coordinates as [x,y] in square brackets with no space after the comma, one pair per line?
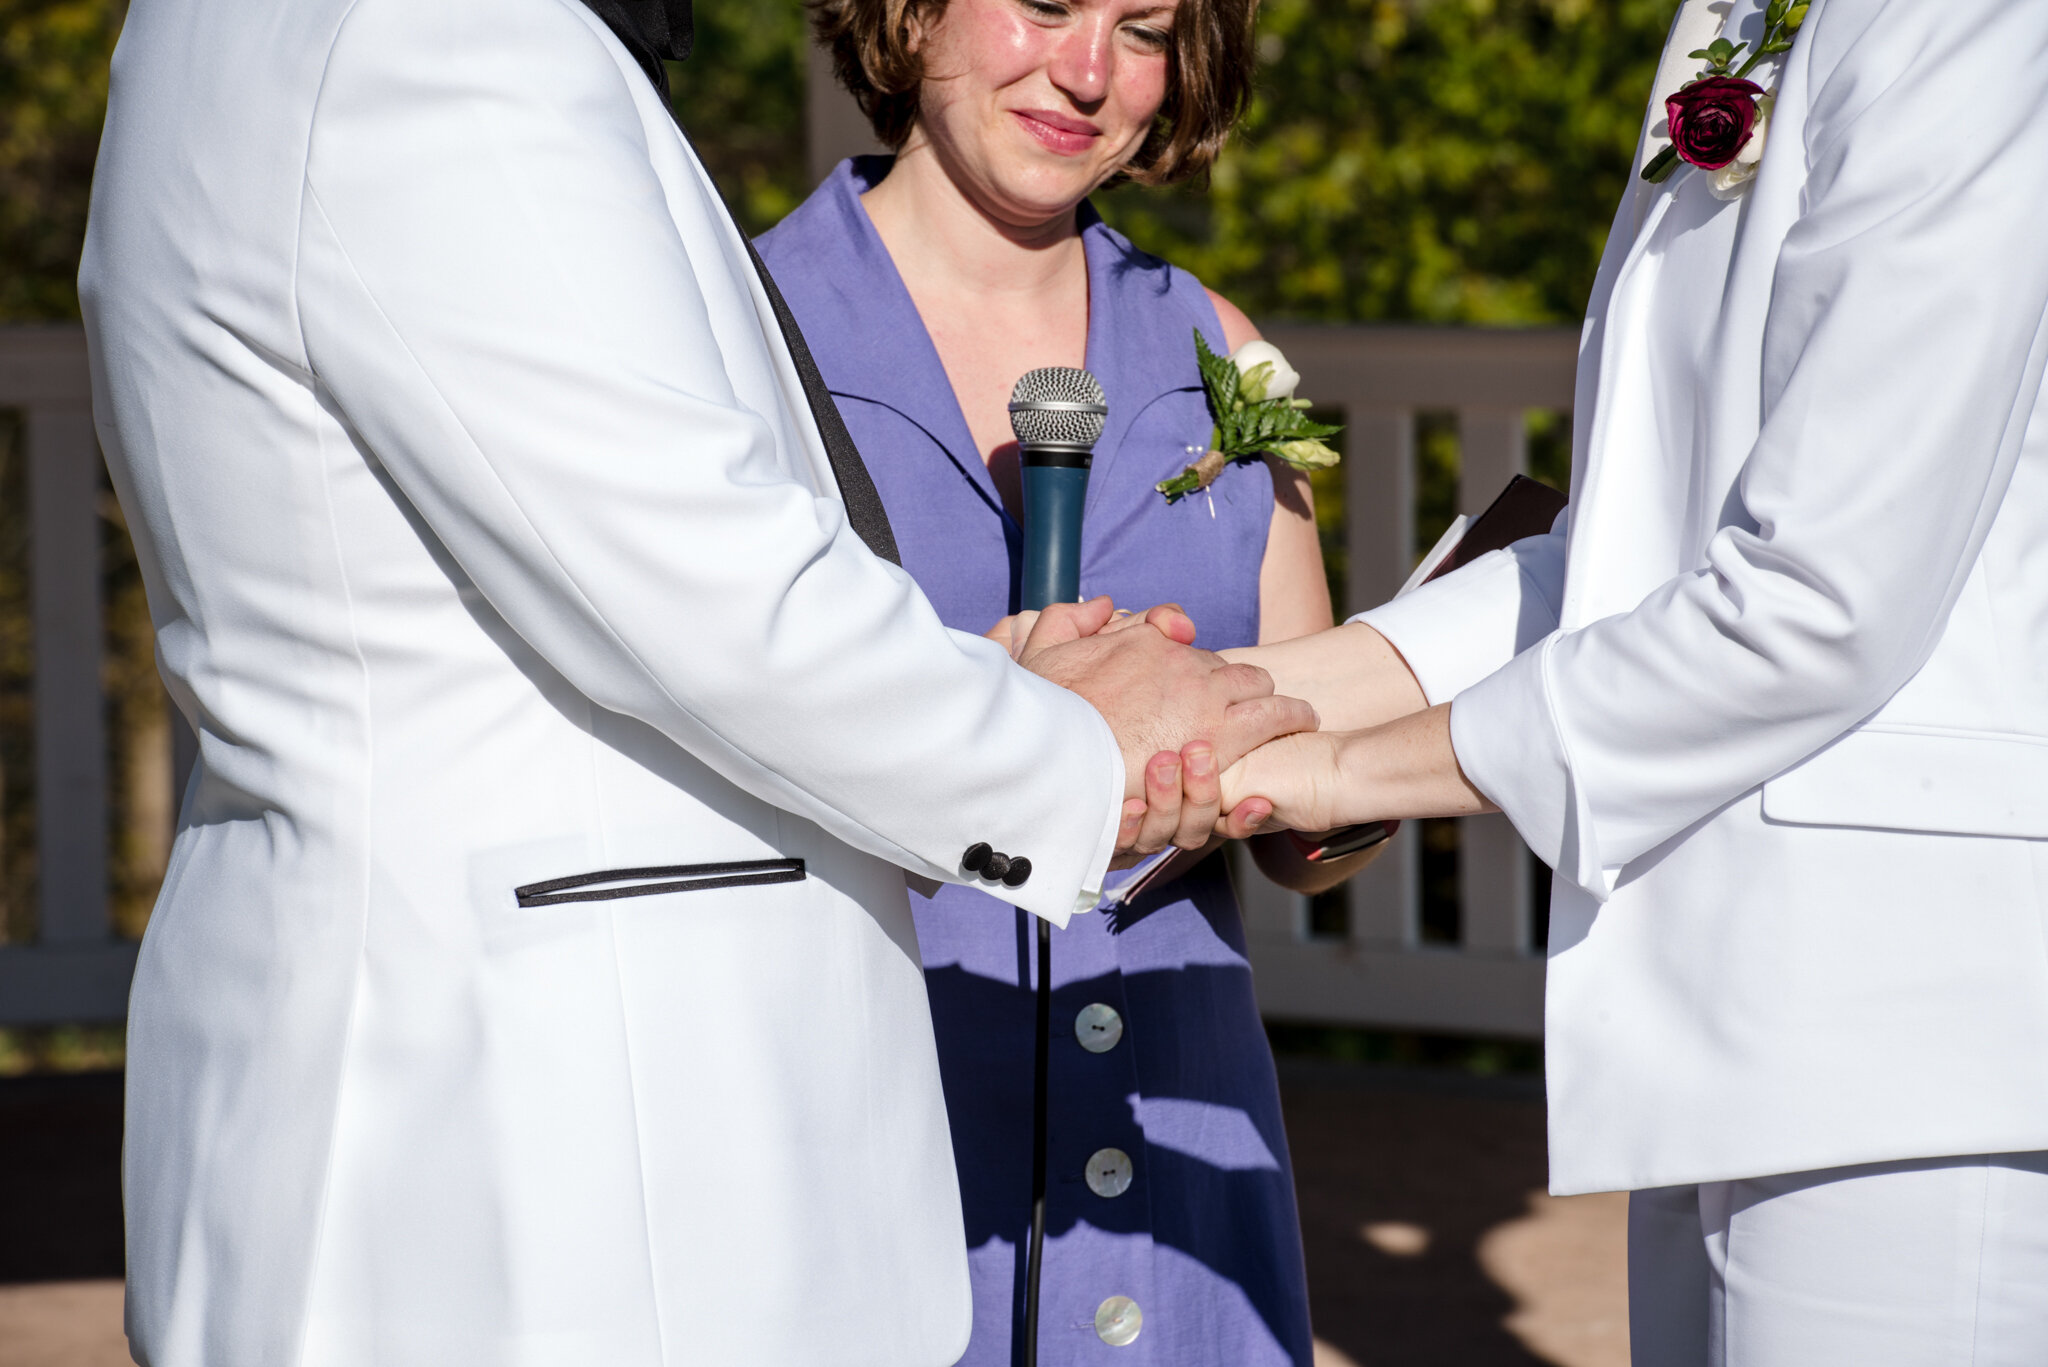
[872,344]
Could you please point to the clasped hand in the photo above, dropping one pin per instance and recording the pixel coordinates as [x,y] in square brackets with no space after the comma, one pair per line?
[1181,716]
[1211,745]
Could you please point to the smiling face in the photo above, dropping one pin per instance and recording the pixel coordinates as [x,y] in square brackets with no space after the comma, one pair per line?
[1031,104]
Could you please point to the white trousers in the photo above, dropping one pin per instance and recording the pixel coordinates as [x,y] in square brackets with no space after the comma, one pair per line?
[1934,1263]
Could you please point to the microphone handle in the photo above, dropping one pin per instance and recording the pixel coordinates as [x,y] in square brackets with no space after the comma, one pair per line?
[1055,488]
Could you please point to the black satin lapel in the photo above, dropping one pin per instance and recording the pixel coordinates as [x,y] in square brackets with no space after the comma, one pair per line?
[864,510]
[654,31]
[658,30]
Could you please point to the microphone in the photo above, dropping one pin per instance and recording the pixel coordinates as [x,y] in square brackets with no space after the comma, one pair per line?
[1057,413]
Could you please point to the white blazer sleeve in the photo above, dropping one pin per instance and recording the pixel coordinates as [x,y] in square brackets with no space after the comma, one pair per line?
[1902,358]
[1456,630]
[501,303]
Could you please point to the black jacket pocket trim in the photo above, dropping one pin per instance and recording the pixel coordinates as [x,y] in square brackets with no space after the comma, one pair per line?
[667,878]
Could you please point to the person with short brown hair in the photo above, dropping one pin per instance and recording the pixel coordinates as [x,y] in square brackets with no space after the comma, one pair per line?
[875,55]
[926,284]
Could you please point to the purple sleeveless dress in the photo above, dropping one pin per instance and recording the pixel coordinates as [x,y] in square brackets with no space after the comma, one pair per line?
[1204,1238]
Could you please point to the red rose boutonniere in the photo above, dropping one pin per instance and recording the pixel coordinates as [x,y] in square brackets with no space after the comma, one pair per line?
[1719,119]
[1711,120]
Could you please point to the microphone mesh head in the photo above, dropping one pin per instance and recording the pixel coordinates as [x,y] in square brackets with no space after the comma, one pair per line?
[1058,406]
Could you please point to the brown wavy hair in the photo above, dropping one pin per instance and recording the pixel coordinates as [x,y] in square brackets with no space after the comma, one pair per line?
[1209,62]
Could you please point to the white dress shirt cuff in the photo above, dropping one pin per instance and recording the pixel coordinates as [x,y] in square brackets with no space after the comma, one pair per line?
[1507,740]
[1456,630]
[1105,848]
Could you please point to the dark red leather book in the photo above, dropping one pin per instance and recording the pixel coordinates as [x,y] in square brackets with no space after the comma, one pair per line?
[1525,508]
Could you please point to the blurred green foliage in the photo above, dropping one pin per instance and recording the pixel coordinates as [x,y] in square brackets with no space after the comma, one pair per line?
[53,93]
[1451,161]
[61,1049]
[1429,160]
[741,95]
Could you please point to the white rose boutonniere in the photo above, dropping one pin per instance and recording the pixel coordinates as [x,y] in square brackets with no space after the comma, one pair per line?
[1276,381]
[1251,399]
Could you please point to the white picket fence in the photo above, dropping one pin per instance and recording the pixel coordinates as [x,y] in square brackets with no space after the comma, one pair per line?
[76,970]
[1377,972]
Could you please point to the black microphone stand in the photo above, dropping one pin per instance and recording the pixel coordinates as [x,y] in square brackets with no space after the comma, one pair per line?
[1057,413]
[1040,1140]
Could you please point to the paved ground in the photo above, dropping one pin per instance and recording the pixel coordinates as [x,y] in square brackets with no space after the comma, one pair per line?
[1429,1241]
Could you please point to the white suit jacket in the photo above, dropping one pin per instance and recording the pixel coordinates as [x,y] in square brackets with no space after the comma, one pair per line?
[1779,718]
[491,545]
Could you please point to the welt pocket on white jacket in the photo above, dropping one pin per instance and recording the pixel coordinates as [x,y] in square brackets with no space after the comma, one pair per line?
[606,885]
[1946,782]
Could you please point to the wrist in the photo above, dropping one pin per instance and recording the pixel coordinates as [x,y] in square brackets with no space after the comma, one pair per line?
[1401,769]
[1351,675]
[1356,782]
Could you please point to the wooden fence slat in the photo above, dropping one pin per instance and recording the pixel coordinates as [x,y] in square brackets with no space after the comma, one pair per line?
[65,984]
[1493,447]
[1493,882]
[834,127]
[1379,527]
[1378,975]
[1379,503]
[70,712]
[1433,988]
[1493,876]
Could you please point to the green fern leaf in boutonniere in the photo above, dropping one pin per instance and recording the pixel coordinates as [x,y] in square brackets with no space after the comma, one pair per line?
[1252,403]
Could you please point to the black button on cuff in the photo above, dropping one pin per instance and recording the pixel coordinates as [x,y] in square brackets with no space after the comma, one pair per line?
[1019,870]
[998,866]
[977,855]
